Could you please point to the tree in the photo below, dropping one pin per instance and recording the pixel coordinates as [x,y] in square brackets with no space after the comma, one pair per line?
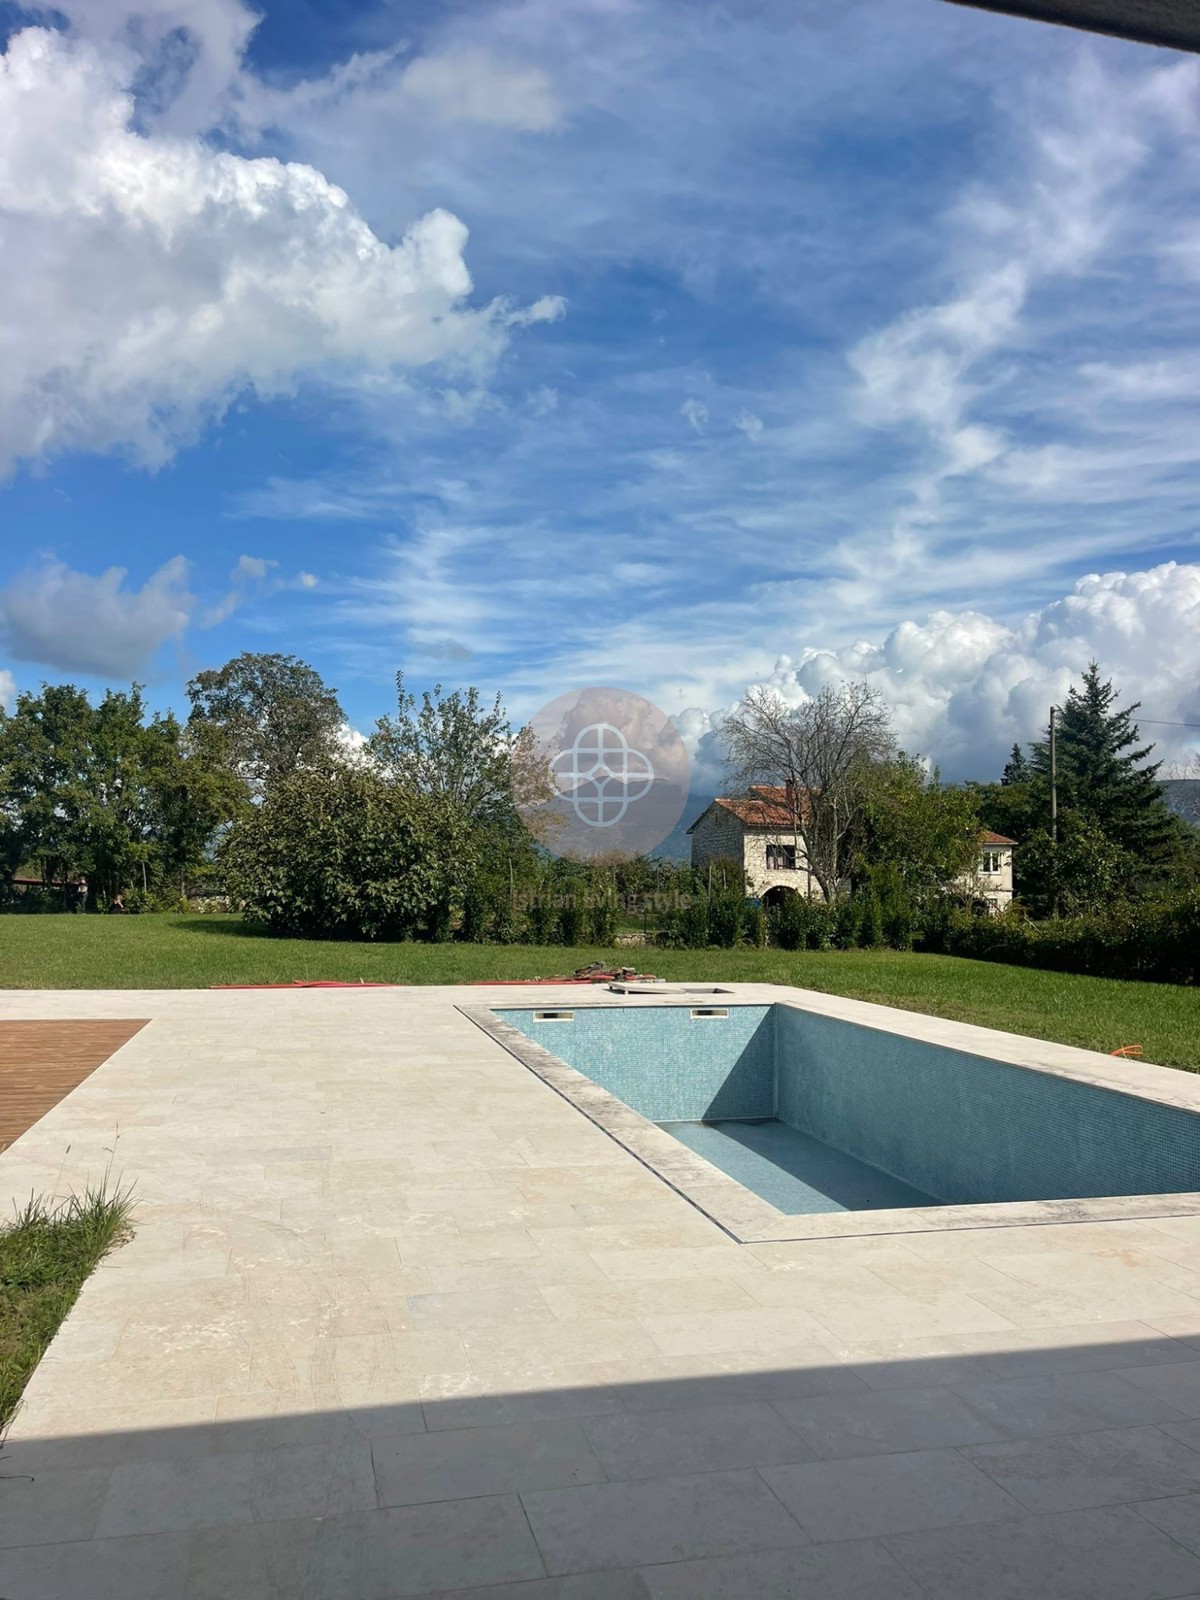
[104,791]
[1117,837]
[343,852]
[272,716]
[1084,871]
[459,748]
[1017,769]
[1103,774]
[821,753]
[923,831]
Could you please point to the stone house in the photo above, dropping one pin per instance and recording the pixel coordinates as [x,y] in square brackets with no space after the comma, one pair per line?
[992,882]
[758,830]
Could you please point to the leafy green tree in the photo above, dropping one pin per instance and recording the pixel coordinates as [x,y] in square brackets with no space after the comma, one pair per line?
[461,750]
[269,715]
[104,790]
[343,852]
[1085,871]
[457,746]
[917,829]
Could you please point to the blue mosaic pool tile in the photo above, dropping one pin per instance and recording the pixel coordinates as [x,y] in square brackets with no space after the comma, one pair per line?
[794,1171]
[969,1129]
[960,1128]
[665,1063]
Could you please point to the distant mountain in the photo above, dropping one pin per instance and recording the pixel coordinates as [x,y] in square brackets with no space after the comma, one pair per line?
[1183,797]
[677,846]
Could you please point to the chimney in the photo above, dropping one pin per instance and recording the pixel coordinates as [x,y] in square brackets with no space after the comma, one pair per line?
[789,790]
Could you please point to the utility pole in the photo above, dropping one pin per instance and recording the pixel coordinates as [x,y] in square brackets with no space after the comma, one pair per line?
[1053,776]
[1054,799]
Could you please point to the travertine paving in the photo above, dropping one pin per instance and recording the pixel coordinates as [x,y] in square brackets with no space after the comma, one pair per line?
[399,1320]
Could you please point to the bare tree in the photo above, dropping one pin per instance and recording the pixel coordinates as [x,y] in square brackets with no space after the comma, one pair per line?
[819,753]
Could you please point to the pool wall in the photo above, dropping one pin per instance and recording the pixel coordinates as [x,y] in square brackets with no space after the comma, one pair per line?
[666,1064]
[969,1129]
[961,1127]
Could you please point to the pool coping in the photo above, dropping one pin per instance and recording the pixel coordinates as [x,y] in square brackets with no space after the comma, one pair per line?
[745,1216]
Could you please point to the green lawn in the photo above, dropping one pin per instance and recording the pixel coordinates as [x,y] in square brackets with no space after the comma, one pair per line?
[172,952]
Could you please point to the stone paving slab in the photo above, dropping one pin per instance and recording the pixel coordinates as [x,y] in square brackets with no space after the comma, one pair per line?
[399,1320]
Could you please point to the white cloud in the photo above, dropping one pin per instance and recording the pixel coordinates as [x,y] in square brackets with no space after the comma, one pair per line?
[474,85]
[548,308]
[248,571]
[696,413]
[1067,204]
[189,51]
[253,575]
[746,422]
[252,567]
[8,689]
[963,686]
[77,622]
[148,278]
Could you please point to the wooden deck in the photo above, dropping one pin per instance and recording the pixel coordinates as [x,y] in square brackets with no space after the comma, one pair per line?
[41,1062]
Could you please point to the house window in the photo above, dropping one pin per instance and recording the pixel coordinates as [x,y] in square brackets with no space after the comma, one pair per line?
[991,861]
[781,858]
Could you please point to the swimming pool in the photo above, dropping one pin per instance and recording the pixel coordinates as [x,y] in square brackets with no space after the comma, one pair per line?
[819,1115]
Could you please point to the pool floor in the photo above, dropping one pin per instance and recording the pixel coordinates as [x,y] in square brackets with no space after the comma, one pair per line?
[792,1170]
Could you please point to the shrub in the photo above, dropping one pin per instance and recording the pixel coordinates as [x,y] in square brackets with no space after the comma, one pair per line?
[343,853]
[685,926]
[602,920]
[844,924]
[871,927]
[571,920]
[789,922]
[1158,940]
[754,924]
[725,913]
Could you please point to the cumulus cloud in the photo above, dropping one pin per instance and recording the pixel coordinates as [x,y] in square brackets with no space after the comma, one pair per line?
[696,414]
[746,422]
[8,689]
[77,622]
[963,687]
[189,51]
[146,278]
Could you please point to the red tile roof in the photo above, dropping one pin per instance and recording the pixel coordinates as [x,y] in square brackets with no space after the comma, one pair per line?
[766,806]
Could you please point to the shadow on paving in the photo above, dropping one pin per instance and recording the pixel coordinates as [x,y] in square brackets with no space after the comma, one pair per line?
[1068,1470]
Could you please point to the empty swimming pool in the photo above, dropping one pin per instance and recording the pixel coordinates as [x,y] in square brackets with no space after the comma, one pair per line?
[817,1114]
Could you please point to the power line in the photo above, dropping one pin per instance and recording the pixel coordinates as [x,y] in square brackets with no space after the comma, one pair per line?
[1159,722]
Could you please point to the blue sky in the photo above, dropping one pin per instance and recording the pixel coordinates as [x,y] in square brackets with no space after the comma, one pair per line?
[673,346]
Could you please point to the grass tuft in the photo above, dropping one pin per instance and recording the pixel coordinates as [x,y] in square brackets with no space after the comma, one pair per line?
[47,1251]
